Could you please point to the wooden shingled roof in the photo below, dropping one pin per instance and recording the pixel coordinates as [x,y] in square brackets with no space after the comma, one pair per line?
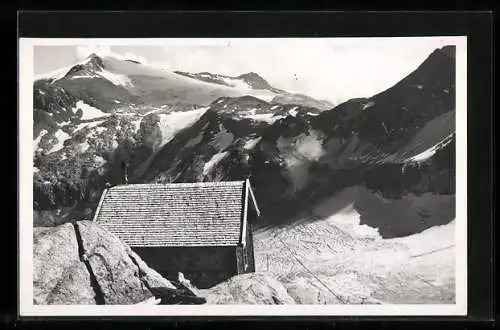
[177,214]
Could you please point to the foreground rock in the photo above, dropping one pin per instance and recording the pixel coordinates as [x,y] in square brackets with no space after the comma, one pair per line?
[115,273]
[83,264]
[253,288]
[148,275]
[59,277]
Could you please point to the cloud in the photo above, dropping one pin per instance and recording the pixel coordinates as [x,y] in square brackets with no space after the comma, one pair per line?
[332,69]
[83,52]
[134,57]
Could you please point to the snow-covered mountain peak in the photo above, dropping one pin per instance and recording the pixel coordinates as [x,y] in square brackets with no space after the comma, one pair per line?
[90,66]
[255,81]
[93,56]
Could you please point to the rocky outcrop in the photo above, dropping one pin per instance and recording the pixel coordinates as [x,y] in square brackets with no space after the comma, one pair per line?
[252,288]
[59,277]
[82,264]
[116,274]
[149,276]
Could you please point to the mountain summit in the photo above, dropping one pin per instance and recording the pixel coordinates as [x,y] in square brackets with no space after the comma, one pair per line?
[91,66]
[250,80]
[256,81]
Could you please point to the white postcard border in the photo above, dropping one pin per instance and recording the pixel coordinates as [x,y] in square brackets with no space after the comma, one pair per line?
[25,221]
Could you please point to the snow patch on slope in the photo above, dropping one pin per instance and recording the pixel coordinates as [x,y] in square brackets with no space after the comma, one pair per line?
[310,146]
[90,125]
[39,137]
[61,136]
[151,111]
[236,83]
[423,156]
[89,112]
[116,79]
[213,161]
[172,123]
[84,76]
[293,112]
[250,144]
[266,117]
[82,147]
[64,123]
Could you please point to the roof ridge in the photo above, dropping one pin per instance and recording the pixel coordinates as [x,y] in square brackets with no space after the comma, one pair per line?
[180,184]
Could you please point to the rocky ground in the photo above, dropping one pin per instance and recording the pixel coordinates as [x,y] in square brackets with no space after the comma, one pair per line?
[253,288]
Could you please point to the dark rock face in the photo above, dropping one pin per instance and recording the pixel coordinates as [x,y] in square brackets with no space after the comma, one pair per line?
[255,81]
[51,105]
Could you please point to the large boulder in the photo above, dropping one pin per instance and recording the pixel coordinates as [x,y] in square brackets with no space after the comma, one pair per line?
[252,288]
[83,263]
[115,273]
[148,275]
[59,277]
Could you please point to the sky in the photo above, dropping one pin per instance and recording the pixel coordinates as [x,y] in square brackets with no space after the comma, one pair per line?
[333,69]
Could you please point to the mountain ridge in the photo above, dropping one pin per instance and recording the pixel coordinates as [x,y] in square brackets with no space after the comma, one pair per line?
[395,143]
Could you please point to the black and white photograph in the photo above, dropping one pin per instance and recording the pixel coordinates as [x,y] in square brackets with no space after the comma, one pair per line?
[294,176]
